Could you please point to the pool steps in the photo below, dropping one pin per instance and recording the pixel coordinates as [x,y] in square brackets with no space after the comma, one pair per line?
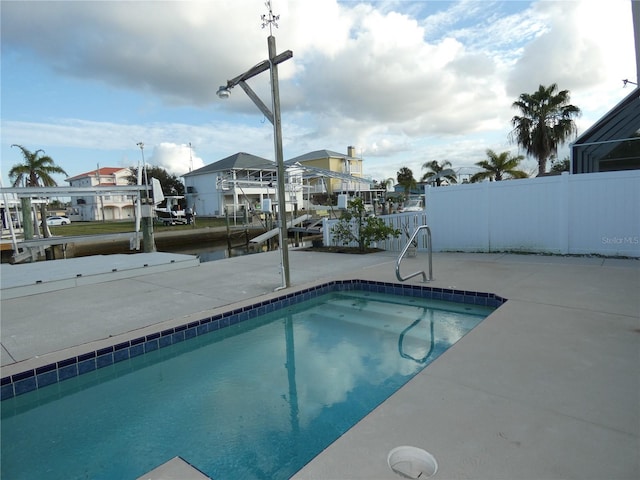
[176,468]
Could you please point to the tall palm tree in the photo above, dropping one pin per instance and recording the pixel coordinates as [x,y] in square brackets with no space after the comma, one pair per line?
[545,121]
[406,180]
[436,169]
[36,171]
[499,167]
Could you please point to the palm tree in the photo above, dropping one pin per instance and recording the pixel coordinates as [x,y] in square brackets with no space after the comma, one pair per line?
[545,121]
[406,180]
[36,171]
[497,166]
[438,170]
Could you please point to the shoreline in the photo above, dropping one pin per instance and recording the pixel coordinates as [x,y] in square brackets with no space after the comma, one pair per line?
[164,241]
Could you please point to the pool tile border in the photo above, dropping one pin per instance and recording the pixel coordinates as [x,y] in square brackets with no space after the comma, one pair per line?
[29,380]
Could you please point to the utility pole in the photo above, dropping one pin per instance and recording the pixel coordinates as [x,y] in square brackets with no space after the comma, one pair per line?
[148,243]
[273,115]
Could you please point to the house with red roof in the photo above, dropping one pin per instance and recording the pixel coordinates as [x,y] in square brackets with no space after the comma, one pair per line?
[92,207]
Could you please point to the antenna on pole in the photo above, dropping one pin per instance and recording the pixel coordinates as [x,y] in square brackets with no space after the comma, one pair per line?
[270,19]
[144,171]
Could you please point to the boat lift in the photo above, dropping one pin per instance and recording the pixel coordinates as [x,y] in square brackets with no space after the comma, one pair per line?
[274,232]
[30,249]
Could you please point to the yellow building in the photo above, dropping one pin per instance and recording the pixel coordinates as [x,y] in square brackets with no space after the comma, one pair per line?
[348,164]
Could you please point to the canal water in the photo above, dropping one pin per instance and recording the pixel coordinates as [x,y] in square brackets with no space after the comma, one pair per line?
[210,252]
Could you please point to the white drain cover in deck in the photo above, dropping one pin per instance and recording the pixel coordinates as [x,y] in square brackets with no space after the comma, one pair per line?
[412,462]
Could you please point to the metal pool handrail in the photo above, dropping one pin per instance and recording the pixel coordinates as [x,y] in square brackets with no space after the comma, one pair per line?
[404,252]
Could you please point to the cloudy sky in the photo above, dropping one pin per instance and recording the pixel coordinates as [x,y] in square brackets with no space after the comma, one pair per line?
[405,82]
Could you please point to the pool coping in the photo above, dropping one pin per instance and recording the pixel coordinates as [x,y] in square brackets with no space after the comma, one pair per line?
[39,372]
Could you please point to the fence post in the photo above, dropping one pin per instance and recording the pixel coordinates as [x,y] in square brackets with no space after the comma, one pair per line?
[563,207]
[487,223]
[325,232]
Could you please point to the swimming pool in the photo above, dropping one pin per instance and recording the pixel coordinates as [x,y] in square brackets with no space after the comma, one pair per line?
[255,393]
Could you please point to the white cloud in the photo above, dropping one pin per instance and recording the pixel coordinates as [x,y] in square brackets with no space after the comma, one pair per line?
[586,45]
[175,158]
[404,86]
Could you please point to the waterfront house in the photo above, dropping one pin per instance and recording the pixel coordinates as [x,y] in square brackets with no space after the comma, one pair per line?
[238,183]
[95,207]
[244,181]
[348,165]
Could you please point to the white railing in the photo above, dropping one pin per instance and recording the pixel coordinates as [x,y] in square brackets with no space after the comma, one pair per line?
[407,247]
[407,223]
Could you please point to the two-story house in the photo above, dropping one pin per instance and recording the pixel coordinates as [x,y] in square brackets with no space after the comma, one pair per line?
[346,170]
[240,182]
[245,181]
[101,207]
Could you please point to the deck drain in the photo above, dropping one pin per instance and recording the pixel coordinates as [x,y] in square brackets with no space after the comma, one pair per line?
[412,462]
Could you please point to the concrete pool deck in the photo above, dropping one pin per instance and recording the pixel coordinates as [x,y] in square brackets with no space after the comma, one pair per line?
[547,387]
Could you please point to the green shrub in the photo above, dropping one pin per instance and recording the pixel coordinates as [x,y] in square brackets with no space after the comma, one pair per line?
[356,225]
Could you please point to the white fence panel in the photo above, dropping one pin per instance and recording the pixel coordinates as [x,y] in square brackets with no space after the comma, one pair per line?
[457,217]
[595,213]
[524,215]
[605,214]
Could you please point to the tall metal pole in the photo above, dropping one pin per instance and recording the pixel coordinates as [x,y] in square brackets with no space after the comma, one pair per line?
[148,243]
[273,116]
[277,140]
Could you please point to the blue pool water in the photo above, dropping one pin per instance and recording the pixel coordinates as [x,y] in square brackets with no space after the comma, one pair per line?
[256,400]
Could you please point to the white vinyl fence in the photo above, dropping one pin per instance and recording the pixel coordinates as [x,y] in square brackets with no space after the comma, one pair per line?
[595,213]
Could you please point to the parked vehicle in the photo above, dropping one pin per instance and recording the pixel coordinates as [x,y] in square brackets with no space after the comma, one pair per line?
[414,205]
[58,221]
